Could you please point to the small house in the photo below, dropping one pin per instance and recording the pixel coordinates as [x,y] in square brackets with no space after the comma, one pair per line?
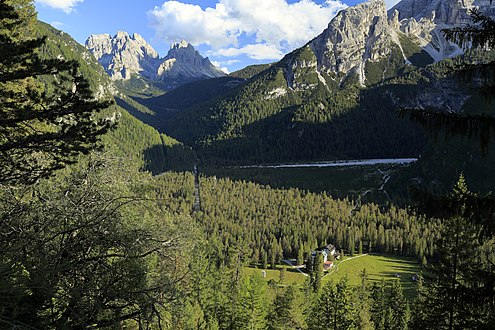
[329,253]
[327,265]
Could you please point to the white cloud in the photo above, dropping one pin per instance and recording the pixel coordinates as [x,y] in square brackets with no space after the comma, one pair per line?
[254,51]
[219,65]
[230,62]
[57,25]
[66,5]
[270,27]
[223,65]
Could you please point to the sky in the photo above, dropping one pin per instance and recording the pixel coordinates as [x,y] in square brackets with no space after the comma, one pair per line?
[232,33]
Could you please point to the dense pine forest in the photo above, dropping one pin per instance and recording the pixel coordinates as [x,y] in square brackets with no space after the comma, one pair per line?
[106,223]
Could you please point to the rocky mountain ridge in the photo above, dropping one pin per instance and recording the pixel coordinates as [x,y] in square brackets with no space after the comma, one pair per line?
[356,35]
[424,20]
[368,33]
[125,56]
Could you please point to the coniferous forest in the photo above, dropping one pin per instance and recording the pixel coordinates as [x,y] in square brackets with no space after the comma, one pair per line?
[108,223]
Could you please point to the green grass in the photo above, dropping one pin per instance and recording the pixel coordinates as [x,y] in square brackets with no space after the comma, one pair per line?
[378,267]
[292,276]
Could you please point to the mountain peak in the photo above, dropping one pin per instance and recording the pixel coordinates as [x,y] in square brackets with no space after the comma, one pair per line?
[125,55]
[183,51]
[181,44]
[185,62]
[121,34]
[354,36]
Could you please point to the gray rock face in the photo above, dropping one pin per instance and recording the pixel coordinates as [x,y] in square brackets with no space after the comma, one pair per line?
[124,55]
[356,35]
[423,20]
[367,33]
[449,12]
[183,61]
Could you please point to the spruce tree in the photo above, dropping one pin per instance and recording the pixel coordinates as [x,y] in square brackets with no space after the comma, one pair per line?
[363,320]
[300,255]
[46,107]
[252,308]
[309,264]
[460,290]
[333,308]
[379,305]
[283,314]
[317,272]
[399,307]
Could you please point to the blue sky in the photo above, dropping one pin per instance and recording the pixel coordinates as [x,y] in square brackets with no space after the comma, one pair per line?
[232,33]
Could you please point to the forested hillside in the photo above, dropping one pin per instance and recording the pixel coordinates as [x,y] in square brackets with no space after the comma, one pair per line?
[142,144]
[282,224]
[290,112]
[165,107]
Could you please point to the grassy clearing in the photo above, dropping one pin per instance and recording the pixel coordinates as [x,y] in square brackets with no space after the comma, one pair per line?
[292,276]
[378,267]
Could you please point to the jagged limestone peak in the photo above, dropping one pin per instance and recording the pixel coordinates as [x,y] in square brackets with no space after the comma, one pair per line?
[123,55]
[183,60]
[355,35]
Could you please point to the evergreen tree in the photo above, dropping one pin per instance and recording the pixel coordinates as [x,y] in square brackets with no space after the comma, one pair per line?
[284,311]
[264,261]
[419,313]
[317,272]
[333,308]
[351,247]
[46,107]
[300,255]
[251,313]
[458,293]
[399,307]
[363,320]
[309,264]
[379,308]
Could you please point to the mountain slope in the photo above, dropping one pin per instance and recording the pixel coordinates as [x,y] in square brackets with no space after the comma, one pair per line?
[132,139]
[166,106]
[336,97]
[314,104]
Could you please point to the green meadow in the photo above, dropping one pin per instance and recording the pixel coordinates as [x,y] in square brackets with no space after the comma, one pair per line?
[378,267]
